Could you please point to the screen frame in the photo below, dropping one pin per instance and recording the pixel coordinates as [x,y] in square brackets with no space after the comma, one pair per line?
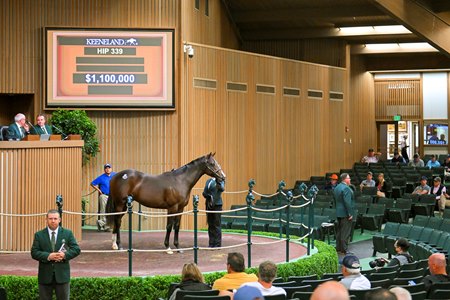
[163,102]
[426,137]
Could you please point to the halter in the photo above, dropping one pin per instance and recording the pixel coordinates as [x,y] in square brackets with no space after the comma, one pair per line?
[216,171]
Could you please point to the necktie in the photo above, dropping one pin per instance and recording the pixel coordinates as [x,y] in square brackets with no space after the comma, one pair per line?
[44,129]
[53,241]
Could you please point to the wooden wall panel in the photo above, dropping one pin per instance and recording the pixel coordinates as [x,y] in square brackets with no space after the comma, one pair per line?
[362,133]
[264,136]
[321,51]
[398,97]
[215,29]
[22,23]
[32,174]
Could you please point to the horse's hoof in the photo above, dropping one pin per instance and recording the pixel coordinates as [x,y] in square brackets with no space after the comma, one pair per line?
[115,247]
[169,251]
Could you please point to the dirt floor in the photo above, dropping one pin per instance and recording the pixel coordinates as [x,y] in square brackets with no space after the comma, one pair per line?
[108,263]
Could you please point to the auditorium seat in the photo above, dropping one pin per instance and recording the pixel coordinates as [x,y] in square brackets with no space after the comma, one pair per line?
[3,132]
[182,294]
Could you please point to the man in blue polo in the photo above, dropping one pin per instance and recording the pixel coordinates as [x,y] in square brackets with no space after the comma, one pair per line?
[101,184]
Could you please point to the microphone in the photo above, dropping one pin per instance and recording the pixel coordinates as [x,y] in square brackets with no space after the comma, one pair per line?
[65,136]
[29,123]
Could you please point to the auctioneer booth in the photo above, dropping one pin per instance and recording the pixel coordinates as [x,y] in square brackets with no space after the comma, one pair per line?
[32,174]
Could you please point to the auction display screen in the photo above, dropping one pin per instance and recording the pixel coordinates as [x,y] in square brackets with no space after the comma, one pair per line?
[93,68]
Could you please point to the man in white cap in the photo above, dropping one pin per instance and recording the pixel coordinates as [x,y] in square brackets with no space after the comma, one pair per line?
[353,279]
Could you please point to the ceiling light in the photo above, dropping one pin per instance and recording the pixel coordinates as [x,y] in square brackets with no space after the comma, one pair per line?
[373,30]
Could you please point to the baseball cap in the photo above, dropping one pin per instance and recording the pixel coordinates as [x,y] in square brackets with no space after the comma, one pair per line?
[424,178]
[369,173]
[334,176]
[351,262]
[247,293]
[106,166]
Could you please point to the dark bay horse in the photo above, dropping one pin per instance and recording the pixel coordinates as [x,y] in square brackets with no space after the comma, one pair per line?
[170,190]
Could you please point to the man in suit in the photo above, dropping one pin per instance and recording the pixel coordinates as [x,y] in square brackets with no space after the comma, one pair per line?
[343,196]
[19,129]
[41,127]
[54,247]
[213,195]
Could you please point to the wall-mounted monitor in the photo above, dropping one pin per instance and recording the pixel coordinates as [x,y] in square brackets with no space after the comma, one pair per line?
[109,68]
[435,134]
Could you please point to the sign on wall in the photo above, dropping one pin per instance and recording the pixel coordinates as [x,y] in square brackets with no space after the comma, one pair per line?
[120,68]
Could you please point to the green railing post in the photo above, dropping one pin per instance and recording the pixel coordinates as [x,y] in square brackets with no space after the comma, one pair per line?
[289,198]
[249,200]
[140,217]
[281,185]
[251,184]
[130,234]
[312,192]
[59,204]
[195,204]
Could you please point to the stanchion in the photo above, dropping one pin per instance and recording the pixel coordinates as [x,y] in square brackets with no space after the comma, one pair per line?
[130,235]
[140,217]
[59,204]
[288,217]
[249,200]
[281,185]
[195,204]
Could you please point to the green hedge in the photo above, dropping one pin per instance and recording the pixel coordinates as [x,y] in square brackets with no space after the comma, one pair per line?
[26,287]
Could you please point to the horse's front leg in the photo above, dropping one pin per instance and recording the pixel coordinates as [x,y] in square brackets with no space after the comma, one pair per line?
[168,231]
[177,230]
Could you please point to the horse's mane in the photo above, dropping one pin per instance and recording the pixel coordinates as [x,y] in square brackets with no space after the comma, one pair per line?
[185,167]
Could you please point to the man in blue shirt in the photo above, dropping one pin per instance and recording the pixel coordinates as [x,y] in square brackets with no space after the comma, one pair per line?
[433,163]
[101,184]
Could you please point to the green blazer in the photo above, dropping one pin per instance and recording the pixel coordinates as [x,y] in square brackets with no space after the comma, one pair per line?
[38,130]
[345,203]
[42,248]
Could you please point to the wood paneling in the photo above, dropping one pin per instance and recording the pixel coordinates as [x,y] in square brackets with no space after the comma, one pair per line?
[32,174]
[398,97]
[214,29]
[21,29]
[321,51]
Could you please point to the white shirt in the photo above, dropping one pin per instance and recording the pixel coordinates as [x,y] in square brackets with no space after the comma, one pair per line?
[273,290]
[356,282]
[50,233]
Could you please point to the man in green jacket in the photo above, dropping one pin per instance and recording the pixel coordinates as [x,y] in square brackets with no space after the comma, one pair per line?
[53,247]
[345,203]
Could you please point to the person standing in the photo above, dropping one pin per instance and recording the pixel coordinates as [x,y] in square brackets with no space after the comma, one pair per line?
[54,247]
[213,195]
[101,184]
[41,127]
[344,199]
[19,129]
[404,148]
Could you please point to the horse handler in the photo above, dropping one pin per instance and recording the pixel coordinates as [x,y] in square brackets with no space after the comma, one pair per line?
[213,195]
[101,184]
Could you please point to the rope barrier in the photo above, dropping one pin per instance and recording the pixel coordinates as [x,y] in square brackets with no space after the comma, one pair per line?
[224,247]
[104,251]
[94,214]
[268,196]
[23,215]
[269,243]
[163,250]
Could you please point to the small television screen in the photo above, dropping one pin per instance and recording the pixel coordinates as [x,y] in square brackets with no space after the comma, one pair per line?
[110,68]
[436,134]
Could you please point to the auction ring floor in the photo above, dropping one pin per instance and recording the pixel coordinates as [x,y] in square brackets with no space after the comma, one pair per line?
[153,263]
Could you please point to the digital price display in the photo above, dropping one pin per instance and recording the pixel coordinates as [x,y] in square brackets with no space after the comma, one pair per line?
[93,68]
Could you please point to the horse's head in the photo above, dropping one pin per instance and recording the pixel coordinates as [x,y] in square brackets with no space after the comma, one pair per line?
[213,168]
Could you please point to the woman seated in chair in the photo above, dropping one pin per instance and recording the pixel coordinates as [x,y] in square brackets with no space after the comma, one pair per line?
[191,280]
[381,186]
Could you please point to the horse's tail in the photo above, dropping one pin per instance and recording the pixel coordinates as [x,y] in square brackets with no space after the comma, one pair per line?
[110,208]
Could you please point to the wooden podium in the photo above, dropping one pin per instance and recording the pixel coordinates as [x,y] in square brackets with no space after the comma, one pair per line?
[32,174]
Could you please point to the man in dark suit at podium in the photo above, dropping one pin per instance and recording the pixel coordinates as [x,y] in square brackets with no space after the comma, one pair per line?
[19,129]
[41,127]
[53,247]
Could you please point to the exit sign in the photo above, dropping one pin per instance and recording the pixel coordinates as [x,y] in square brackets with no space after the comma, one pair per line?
[397,118]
